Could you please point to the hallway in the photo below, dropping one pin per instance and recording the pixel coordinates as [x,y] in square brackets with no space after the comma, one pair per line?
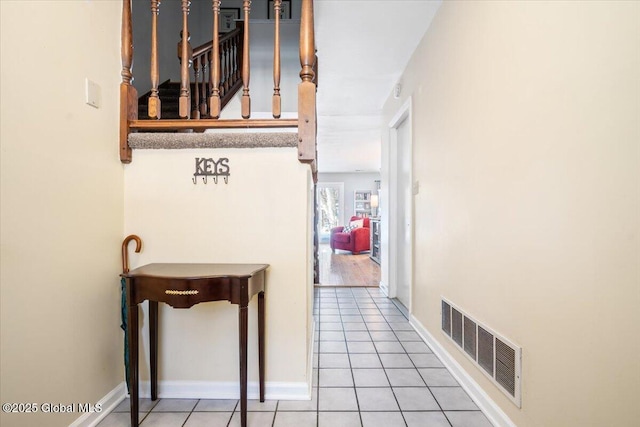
[371,370]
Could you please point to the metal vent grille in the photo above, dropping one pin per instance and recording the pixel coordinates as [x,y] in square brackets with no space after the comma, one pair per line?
[506,366]
[470,337]
[496,356]
[485,350]
[456,326]
[446,318]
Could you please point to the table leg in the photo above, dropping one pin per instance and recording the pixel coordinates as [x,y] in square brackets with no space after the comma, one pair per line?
[261,343]
[132,323]
[244,328]
[153,344]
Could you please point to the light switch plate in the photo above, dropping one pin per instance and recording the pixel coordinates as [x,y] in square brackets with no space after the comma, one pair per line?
[92,93]
[416,187]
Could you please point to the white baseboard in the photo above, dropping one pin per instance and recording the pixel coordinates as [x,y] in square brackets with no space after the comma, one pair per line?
[384,288]
[107,404]
[492,411]
[310,358]
[226,390]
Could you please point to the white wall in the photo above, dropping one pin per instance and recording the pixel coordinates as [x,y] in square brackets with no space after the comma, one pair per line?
[62,207]
[261,216]
[352,182]
[526,145]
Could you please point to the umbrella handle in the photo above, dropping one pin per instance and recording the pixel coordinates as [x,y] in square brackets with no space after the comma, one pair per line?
[125,250]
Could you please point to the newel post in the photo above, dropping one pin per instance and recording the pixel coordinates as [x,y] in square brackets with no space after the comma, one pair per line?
[128,94]
[307,88]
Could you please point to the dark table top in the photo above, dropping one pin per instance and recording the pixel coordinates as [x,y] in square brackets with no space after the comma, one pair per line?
[195,271]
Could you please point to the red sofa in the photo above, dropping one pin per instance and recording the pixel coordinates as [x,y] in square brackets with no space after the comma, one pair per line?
[355,241]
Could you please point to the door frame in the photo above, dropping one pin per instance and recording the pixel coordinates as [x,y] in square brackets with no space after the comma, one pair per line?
[404,113]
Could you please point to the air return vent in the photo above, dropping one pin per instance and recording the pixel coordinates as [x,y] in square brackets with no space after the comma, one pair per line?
[506,366]
[456,326]
[496,356]
[446,318]
[470,337]
[485,350]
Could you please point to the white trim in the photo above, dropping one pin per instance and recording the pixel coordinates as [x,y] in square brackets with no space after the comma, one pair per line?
[401,114]
[310,359]
[226,390]
[107,404]
[405,112]
[492,411]
[384,289]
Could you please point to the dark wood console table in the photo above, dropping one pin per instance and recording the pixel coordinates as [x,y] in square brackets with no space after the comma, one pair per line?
[182,286]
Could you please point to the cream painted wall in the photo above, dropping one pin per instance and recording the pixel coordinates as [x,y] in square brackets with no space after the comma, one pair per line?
[261,216]
[62,206]
[527,149]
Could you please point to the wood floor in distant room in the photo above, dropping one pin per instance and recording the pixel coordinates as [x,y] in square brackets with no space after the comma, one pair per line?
[346,269]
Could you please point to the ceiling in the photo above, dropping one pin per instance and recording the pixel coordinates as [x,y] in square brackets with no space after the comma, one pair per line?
[363,48]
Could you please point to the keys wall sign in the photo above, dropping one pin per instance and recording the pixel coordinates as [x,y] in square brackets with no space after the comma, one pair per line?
[206,168]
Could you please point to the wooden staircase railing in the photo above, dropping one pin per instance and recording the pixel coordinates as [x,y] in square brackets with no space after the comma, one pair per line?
[221,67]
[214,86]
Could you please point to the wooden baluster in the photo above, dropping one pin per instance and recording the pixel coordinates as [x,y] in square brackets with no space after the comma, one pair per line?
[128,94]
[203,86]
[237,53]
[246,99]
[307,89]
[126,48]
[210,77]
[275,103]
[223,70]
[228,65]
[315,71]
[214,100]
[154,107]
[185,95]
[196,74]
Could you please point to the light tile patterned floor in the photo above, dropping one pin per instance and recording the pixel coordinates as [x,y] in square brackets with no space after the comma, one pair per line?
[371,370]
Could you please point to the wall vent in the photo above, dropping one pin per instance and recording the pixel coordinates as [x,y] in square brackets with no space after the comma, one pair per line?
[446,318]
[470,337]
[456,326]
[485,350]
[497,357]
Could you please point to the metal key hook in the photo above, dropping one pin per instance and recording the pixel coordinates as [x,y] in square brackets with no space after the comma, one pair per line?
[125,250]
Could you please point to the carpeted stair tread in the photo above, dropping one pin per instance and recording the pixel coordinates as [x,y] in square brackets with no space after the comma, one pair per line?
[175,141]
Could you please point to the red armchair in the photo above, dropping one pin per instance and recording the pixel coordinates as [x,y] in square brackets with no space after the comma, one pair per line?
[356,241]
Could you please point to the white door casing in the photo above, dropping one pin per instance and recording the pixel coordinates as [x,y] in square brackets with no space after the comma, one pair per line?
[400,237]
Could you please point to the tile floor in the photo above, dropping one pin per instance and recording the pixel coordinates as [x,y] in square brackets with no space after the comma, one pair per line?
[371,370]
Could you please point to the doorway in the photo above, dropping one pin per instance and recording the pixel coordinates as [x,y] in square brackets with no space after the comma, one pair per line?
[400,255]
[403,212]
[342,267]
